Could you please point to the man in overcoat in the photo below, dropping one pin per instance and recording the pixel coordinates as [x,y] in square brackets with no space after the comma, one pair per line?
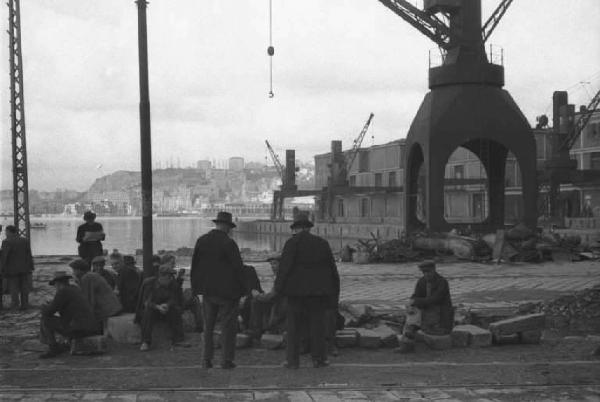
[90,236]
[217,274]
[17,266]
[309,278]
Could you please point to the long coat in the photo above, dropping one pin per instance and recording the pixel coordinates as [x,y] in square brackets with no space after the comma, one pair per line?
[128,285]
[307,268]
[217,268]
[88,249]
[439,298]
[100,296]
[74,310]
[16,257]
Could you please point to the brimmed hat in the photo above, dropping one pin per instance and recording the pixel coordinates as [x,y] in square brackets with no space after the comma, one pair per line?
[166,270]
[80,264]
[427,265]
[301,221]
[99,259]
[89,215]
[225,217]
[60,276]
[274,258]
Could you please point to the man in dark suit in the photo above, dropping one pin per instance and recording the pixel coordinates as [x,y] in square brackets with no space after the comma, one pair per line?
[309,278]
[217,274]
[17,265]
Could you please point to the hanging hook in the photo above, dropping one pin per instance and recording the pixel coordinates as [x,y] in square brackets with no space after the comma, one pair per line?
[271,49]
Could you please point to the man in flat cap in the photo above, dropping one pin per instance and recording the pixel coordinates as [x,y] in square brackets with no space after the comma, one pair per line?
[98,266]
[430,307]
[159,299]
[309,278]
[217,274]
[75,316]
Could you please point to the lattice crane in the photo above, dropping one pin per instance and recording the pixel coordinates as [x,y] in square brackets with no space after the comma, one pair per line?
[276,162]
[357,143]
[17,114]
[580,124]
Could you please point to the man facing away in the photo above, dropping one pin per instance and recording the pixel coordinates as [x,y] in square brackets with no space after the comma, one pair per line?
[17,265]
[75,316]
[435,315]
[217,274]
[309,278]
[128,284]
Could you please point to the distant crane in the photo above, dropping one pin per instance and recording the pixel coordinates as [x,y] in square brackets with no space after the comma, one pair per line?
[276,162]
[357,143]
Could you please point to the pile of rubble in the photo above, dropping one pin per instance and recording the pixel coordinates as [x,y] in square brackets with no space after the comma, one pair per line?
[576,313]
[518,244]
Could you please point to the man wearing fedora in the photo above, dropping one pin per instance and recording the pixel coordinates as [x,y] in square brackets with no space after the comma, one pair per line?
[435,315]
[217,274]
[75,316]
[309,278]
[89,236]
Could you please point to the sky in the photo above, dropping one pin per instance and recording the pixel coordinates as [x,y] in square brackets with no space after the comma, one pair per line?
[335,62]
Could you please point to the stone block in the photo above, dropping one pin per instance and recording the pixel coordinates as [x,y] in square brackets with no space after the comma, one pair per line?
[518,324]
[475,336]
[511,339]
[346,338]
[367,338]
[121,329]
[242,341]
[271,341]
[531,337]
[387,336]
[438,342]
[90,345]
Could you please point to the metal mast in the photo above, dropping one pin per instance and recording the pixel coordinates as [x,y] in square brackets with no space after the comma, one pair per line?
[17,114]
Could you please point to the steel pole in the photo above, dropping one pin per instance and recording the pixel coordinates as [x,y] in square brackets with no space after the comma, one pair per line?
[145,139]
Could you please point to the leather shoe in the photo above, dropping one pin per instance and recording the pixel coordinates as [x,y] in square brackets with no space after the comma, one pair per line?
[207,364]
[320,363]
[288,365]
[228,365]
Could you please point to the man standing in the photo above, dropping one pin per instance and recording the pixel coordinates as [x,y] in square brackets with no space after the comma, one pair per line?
[217,274]
[308,276]
[90,236]
[75,320]
[431,307]
[17,265]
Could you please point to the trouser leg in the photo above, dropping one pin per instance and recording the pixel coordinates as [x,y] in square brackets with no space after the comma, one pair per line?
[25,284]
[149,316]
[229,332]
[14,289]
[175,323]
[318,349]
[293,323]
[210,311]
[49,326]
[258,312]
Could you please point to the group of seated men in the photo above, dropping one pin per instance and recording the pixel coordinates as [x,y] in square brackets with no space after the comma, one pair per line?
[80,309]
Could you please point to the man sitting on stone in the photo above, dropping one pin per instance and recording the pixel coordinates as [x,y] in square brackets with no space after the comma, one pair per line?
[435,315]
[249,304]
[75,316]
[270,308]
[128,284]
[110,277]
[159,300]
[97,291]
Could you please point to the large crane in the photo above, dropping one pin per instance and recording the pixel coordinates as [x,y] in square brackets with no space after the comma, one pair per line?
[17,117]
[276,162]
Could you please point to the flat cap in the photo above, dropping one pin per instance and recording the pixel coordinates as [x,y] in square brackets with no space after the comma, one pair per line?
[99,258]
[427,265]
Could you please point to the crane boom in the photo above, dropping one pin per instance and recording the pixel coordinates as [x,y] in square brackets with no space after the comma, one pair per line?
[580,124]
[357,142]
[276,161]
[494,19]
[427,24]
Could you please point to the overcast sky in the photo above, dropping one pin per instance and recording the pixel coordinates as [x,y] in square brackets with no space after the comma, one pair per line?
[335,62]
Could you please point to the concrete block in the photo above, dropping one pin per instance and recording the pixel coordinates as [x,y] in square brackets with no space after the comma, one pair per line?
[518,324]
[121,329]
[367,338]
[387,336]
[531,337]
[91,345]
[346,338]
[438,342]
[271,341]
[511,339]
[476,337]
[460,339]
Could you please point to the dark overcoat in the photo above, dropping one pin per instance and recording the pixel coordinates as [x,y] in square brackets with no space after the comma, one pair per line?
[307,268]
[88,249]
[439,296]
[74,310]
[217,268]
[16,257]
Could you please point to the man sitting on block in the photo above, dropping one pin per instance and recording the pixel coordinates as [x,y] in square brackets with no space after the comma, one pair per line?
[430,308]
[75,316]
[159,299]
